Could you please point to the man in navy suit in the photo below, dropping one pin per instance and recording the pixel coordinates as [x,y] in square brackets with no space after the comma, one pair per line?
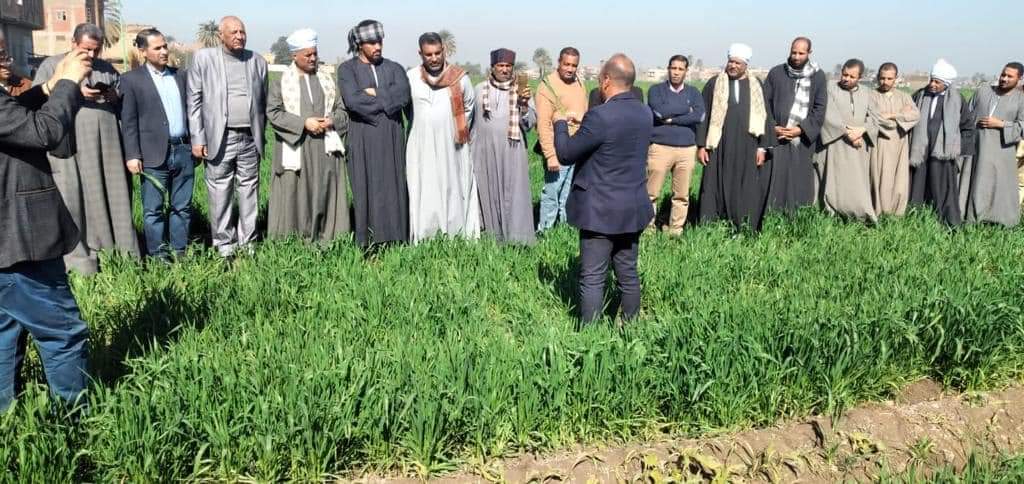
[155,131]
[608,201]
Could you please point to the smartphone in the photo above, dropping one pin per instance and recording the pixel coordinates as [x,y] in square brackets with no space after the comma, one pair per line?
[523,81]
[101,86]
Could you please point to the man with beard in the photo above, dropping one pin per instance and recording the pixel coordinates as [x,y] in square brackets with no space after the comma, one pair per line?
[501,118]
[375,91]
[678,110]
[442,188]
[732,143]
[797,98]
[842,160]
[998,113]
[308,189]
[560,93]
[935,145]
[890,156]
[227,105]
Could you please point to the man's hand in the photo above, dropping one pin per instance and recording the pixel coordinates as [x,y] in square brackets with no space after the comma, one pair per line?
[74,67]
[760,157]
[702,156]
[326,123]
[572,117]
[134,166]
[853,135]
[991,122]
[91,94]
[553,165]
[110,95]
[199,152]
[780,132]
[312,125]
[524,97]
[371,91]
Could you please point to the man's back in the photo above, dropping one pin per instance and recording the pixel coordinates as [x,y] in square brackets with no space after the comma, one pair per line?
[609,193]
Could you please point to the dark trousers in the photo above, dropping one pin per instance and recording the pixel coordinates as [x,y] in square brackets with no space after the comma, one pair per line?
[596,251]
[943,190]
[35,297]
[169,231]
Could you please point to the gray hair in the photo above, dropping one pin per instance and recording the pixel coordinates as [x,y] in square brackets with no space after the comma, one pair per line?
[87,30]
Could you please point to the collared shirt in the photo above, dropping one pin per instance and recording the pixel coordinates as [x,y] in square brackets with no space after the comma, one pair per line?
[170,97]
[673,88]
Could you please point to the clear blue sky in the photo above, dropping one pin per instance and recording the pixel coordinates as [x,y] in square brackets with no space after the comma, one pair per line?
[977,36]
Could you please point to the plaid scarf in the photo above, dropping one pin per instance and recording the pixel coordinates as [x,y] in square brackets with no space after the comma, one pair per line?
[514,132]
[450,79]
[802,96]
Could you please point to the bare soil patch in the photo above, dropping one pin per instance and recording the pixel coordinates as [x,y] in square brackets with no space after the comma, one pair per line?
[921,427]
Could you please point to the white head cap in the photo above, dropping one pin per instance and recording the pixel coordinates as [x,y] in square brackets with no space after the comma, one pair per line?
[741,52]
[943,71]
[302,39]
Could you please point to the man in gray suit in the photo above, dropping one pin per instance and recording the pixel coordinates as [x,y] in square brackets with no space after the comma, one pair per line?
[226,117]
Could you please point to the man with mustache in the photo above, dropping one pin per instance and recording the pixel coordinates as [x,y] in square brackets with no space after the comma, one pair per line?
[797,97]
[442,187]
[890,156]
[998,113]
[154,127]
[227,105]
[375,91]
[560,93]
[935,145]
[732,144]
[842,160]
[502,117]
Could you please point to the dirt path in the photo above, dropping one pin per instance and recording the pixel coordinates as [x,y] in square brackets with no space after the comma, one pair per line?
[922,428]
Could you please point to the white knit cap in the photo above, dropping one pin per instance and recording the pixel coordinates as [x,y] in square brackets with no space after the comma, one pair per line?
[943,71]
[741,52]
[302,39]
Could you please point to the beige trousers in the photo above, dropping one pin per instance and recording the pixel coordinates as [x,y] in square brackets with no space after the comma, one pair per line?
[679,161]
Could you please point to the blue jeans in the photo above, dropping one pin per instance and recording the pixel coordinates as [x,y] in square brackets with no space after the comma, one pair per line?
[35,297]
[552,198]
[177,174]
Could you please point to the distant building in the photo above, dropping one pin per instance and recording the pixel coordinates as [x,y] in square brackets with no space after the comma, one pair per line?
[18,18]
[59,20]
[655,74]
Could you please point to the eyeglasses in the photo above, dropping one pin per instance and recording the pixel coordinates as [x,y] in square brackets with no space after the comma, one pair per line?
[5,59]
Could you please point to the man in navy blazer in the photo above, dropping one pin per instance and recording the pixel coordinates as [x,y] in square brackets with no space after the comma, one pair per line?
[608,202]
[154,126]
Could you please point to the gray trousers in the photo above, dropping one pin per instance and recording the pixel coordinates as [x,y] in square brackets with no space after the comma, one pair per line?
[596,251]
[239,161]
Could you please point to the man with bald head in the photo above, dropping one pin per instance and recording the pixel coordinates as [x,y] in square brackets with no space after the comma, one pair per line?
[796,96]
[608,201]
[227,102]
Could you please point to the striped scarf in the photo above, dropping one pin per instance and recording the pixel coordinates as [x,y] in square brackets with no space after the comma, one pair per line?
[514,131]
[451,79]
[802,97]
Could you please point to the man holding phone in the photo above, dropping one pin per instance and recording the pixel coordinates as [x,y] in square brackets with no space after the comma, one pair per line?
[88,165]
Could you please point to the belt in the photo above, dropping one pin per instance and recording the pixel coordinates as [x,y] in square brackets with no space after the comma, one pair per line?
[245,130]
[178,140]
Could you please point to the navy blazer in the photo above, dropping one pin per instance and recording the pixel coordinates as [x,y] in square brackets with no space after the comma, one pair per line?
[143,119]
[609,192]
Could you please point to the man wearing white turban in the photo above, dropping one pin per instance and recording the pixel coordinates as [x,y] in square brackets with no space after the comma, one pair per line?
[307,179]
[935,145]
[732,143]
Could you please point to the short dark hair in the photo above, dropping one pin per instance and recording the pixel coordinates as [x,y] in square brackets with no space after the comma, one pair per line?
[1016,66]
[431,38]
[568,51]
[859,64]
[803,39]
[87,30]
[888,66]
[142,38]
[679,57]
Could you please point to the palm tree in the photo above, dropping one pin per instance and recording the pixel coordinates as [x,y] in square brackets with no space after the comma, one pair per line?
[111,22]
[208,34]
[448,40]
[543,61]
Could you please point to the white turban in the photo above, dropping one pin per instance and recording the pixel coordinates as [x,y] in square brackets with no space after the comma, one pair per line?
[944,71]
[742,52]
[301,39]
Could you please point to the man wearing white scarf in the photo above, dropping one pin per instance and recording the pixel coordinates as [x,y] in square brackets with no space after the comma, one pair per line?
[308,183]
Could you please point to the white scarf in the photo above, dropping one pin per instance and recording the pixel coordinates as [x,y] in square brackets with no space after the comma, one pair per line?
[291,92]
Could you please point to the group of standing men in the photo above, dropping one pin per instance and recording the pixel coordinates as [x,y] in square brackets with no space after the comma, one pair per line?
[796,139]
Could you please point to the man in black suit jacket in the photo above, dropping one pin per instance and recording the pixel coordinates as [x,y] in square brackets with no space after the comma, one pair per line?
[608,201]
[36,230]
[154,126]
